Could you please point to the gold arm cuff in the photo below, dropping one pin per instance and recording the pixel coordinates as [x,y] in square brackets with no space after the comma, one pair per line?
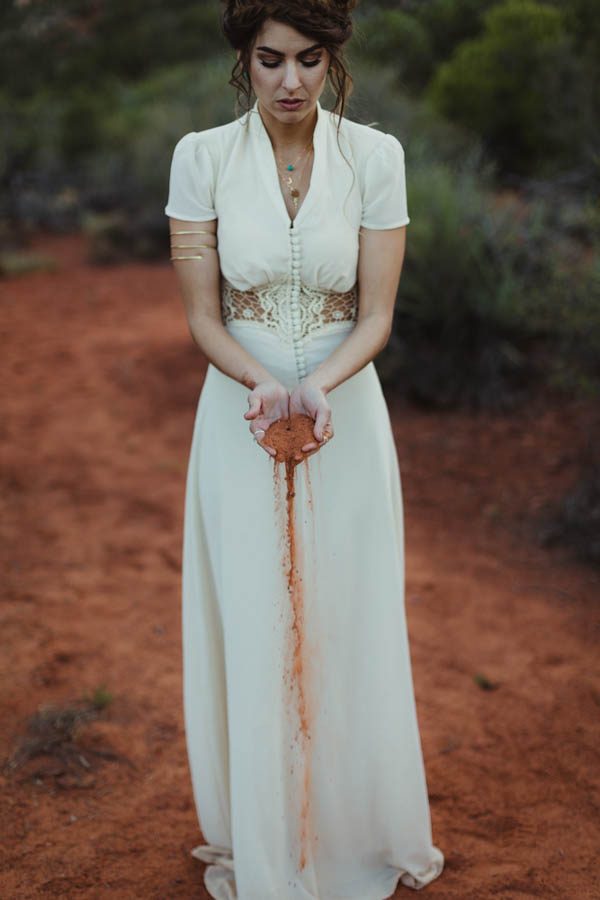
[192,232]
[187,257]
[191,246]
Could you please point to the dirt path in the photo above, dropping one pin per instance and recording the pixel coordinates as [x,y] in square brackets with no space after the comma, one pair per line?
[103,381]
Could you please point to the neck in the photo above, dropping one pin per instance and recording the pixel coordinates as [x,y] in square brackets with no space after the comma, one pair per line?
[285,137]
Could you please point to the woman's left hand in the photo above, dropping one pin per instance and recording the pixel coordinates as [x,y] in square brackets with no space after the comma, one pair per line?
[310,400]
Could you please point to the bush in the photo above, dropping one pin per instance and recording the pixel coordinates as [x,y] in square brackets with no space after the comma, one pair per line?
[497,294]
[426,136]
[571,311]
[520,85]
[148,119]
[391,37]
[450,22]
[468,310]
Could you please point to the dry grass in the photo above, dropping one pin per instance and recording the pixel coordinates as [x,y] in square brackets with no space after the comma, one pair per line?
[56,736]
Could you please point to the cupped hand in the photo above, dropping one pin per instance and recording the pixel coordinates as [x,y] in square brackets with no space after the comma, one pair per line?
[309,399]
[268,402]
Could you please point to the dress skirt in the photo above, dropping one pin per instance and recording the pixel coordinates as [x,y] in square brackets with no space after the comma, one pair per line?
[300,717]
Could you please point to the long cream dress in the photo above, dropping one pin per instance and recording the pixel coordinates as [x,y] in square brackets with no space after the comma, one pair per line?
[300,717]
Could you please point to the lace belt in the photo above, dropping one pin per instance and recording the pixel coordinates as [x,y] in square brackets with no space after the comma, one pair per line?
[293,310]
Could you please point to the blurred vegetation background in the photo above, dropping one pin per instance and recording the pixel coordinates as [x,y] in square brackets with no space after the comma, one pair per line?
[497,105]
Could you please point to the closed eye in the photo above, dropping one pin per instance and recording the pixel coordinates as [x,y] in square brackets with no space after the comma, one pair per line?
[306,63]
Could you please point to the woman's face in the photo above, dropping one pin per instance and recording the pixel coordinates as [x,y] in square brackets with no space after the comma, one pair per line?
[286,65]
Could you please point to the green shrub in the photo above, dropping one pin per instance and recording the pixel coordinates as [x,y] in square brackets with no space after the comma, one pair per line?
[426,136]
[571,314]
[518,85]
[450,22]
[496,294]
[148,119]
[391,37]
[467,314]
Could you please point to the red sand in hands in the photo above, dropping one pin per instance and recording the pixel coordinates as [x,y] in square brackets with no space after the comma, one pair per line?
[289,436]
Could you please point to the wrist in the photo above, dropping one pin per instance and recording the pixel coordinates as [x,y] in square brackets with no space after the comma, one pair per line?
[317,380]
[251,379]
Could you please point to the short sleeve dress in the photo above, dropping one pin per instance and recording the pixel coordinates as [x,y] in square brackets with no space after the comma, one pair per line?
[300,716]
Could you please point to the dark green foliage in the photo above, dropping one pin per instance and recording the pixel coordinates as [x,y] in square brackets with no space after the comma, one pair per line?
[81,43]
[397,39]
[522,86]
[463,326]
[450,22]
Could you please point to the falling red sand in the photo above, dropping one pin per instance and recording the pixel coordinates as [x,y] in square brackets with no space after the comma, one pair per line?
[287,437]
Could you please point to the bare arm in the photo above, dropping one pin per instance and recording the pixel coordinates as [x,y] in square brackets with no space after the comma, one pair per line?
[199,282]
[199,275]
[381,257]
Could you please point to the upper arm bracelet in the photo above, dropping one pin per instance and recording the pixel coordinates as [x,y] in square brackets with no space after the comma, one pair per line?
[190,246]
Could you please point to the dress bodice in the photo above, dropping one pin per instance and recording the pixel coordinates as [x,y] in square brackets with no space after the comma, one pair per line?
[295,279]
[229,173]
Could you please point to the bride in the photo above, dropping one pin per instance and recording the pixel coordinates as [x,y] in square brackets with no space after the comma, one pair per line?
[288,229]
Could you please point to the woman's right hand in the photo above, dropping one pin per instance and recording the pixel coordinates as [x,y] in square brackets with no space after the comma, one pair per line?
[268,402]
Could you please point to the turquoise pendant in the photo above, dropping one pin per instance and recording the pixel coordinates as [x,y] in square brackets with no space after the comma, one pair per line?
[290,168]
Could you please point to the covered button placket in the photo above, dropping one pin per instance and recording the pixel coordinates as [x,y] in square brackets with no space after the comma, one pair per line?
[295,311]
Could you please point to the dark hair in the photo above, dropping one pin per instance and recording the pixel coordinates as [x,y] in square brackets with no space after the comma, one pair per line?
[327,21]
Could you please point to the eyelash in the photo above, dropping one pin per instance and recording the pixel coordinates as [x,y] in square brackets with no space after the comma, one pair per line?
[308,65]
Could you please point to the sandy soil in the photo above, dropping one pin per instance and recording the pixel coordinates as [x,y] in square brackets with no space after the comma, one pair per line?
[103,380]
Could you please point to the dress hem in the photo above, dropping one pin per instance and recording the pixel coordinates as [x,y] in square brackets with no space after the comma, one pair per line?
[219,875]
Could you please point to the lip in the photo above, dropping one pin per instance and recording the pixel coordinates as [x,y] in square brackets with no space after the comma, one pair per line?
[291,104]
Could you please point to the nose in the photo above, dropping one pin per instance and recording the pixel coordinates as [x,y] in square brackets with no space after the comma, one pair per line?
[291,80]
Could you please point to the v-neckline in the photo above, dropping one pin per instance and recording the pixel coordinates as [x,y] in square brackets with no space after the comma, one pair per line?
[272,176]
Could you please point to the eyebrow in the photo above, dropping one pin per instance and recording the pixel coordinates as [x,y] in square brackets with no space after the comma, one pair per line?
[279,53]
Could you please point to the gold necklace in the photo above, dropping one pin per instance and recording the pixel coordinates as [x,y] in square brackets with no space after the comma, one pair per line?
[291,166]
[289,181]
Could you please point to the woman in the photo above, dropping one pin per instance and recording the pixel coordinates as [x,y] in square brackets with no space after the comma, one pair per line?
[287,234]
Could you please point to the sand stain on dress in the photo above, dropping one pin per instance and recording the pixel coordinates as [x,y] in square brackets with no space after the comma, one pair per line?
[287,437]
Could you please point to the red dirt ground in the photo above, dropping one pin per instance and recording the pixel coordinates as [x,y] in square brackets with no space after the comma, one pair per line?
[101,385]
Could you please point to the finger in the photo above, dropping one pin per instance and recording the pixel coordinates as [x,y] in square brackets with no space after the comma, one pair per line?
[254,407]
[322,424]
[312,446]
[270,450]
